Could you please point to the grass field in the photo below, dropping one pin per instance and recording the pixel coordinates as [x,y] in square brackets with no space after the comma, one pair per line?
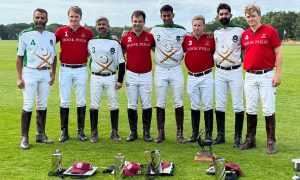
[35,163]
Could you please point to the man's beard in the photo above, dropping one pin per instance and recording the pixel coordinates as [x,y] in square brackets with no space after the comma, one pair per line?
[224,21]
[40,25]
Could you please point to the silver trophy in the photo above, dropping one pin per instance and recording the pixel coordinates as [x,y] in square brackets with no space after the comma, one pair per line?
[296,164]
[56,166]
[154,161]
[219,164]
[119,165]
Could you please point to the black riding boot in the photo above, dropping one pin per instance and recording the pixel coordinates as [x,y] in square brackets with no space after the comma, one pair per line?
[114,119]
[220,117]
[239,121]
[147,116]
[64,119]
[132,119]
[94,125]
[209,120]
[80,121]
[195,119]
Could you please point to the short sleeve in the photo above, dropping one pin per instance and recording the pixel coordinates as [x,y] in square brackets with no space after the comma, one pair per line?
[184,43]
[57,35]
[120,56]
[275,41]
[123,42]
[21,46]
[91,34]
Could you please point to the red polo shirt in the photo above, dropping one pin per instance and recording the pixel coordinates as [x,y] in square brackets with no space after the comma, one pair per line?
[138,51]
[259,48]
[73,45]
[199,53]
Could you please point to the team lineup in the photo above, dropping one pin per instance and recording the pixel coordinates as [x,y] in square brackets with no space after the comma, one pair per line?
[114,64]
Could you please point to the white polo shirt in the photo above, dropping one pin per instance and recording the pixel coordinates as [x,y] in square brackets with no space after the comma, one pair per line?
[228,45]
[168,44]
[38,49]
[106,54]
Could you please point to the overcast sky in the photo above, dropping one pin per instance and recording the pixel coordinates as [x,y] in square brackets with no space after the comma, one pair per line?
[119,11]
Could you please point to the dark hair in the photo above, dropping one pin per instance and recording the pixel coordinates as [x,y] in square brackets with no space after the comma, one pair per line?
[138,13]
[223,6]
[166,8]
[41,11]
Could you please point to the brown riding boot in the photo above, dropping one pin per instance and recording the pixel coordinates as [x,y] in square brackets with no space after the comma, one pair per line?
[270,128]
[25,124]
[160,115]
[40,127]
[179,114]
[250,141]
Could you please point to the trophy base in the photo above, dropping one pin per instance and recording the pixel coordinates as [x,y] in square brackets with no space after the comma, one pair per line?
[205,157]
[57,173]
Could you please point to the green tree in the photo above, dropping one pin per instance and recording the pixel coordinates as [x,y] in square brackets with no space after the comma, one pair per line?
[3,34]
[53,27]
[13,30]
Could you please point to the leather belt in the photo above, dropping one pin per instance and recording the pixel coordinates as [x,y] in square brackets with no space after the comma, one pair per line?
[259,71]
[103,74]
[73,65]
[228,68]
[40,69]
[199,74]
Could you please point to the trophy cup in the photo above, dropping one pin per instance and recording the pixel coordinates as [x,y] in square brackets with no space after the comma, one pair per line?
[56,166]
[219,164]
[296,163]
[205,154]
[154,161]
[119,164]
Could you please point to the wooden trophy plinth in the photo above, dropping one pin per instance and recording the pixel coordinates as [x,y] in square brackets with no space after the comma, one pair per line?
[205,156]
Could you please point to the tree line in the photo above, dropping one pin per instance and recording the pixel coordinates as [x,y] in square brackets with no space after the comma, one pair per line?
[286,23]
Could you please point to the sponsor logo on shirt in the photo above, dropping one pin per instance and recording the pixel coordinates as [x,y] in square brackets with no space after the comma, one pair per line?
[260,41]
[235,38]
[198,49]
[74,40]
[112,50]
[138,44]
[263,36]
